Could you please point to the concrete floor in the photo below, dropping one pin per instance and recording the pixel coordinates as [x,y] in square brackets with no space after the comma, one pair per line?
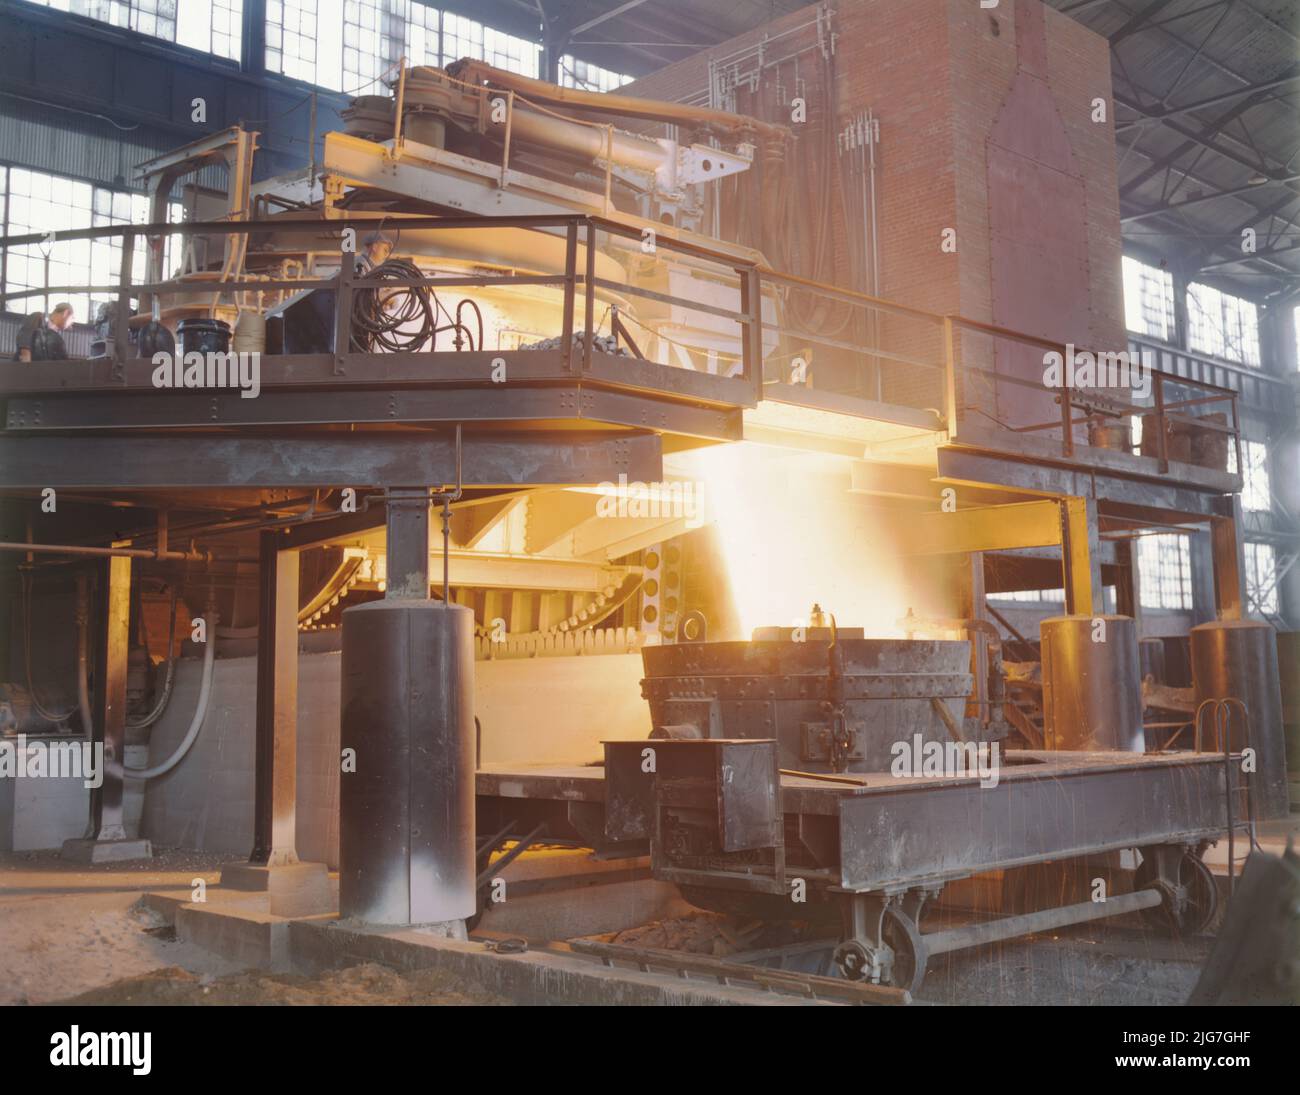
[69,930]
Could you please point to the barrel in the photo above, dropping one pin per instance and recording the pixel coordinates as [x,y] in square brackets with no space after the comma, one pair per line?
[204,336]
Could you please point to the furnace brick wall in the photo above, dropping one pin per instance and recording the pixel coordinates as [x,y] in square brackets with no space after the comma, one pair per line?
[936,74]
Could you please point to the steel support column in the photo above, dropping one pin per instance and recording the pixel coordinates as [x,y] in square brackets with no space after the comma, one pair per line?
[1080,556]
[408,544]
[106,815]
[1226,543]
[275,775]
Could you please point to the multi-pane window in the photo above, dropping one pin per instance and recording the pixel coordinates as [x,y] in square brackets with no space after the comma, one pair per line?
[36,202]
[1256,491]
[1261,578]
[1148,300]
[461,37]
[347,45]
[1223,325]
[372,43]
[1165,571]
[291,42]
[424,35]
[510,53]
[1032,596]
[209,25]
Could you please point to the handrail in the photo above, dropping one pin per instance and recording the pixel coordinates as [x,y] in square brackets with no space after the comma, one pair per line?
[1071,398]
[754,276]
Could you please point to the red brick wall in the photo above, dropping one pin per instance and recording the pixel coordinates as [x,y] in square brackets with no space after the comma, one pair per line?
[936,74]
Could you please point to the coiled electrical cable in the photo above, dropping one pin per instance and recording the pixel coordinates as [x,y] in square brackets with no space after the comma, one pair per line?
[382,317]
[405,318]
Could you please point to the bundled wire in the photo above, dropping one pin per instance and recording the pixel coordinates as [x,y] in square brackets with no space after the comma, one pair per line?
[393,320]
[404,318]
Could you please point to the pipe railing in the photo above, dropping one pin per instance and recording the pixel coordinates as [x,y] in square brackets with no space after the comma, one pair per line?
[1088,406]
[940,382]
[747,316]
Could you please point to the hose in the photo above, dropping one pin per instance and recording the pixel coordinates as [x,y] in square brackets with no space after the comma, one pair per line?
[168,681]
[200,711]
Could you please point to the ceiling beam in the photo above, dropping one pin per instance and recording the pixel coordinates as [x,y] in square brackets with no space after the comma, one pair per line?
[1139,20]
[1150,116]
[628,6]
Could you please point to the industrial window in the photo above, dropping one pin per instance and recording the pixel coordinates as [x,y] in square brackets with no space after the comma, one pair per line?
[1148,300]
[373,41]
[291,41]
[1256,492]
[1031,596]
[463,37]
[347,45]
[213,26]
[1261,578]
[1165,571]
[1223,325]
[587,77]
[424,35]
[36,202]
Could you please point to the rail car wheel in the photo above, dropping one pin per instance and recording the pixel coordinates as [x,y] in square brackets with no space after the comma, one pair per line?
[898,959]
[1186,885]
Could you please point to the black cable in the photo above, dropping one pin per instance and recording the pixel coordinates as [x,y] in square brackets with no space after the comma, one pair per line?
[380,314]
[478,315]
[382,317]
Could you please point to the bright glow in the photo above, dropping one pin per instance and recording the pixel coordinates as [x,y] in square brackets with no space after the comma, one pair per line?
[792,535]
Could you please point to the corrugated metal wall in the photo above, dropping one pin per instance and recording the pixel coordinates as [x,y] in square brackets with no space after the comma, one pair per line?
[62,142]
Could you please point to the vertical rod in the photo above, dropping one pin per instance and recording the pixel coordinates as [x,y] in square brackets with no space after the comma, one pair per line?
[505,149]
[570,280]
[401,99]
[343,311]
[950,374]
[120,328]
[589,288]
[1162,434]
[1067,417]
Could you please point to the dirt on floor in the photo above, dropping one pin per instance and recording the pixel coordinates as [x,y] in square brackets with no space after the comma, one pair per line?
[67,928]
[363,984]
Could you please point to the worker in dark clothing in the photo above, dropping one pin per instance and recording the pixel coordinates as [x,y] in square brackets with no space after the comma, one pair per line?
[378,245]
[39,338]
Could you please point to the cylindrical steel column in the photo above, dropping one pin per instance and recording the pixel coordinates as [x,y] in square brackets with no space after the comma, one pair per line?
[406,832]
[1092,690]
[1237,659]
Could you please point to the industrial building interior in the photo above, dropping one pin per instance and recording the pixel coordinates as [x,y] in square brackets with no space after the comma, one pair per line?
[650,502]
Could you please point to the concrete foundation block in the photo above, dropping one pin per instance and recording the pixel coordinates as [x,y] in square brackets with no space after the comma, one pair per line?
[248,938]
[83,850]
[294,889]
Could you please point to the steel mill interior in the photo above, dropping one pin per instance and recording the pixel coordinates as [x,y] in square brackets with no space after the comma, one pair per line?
[654,502]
